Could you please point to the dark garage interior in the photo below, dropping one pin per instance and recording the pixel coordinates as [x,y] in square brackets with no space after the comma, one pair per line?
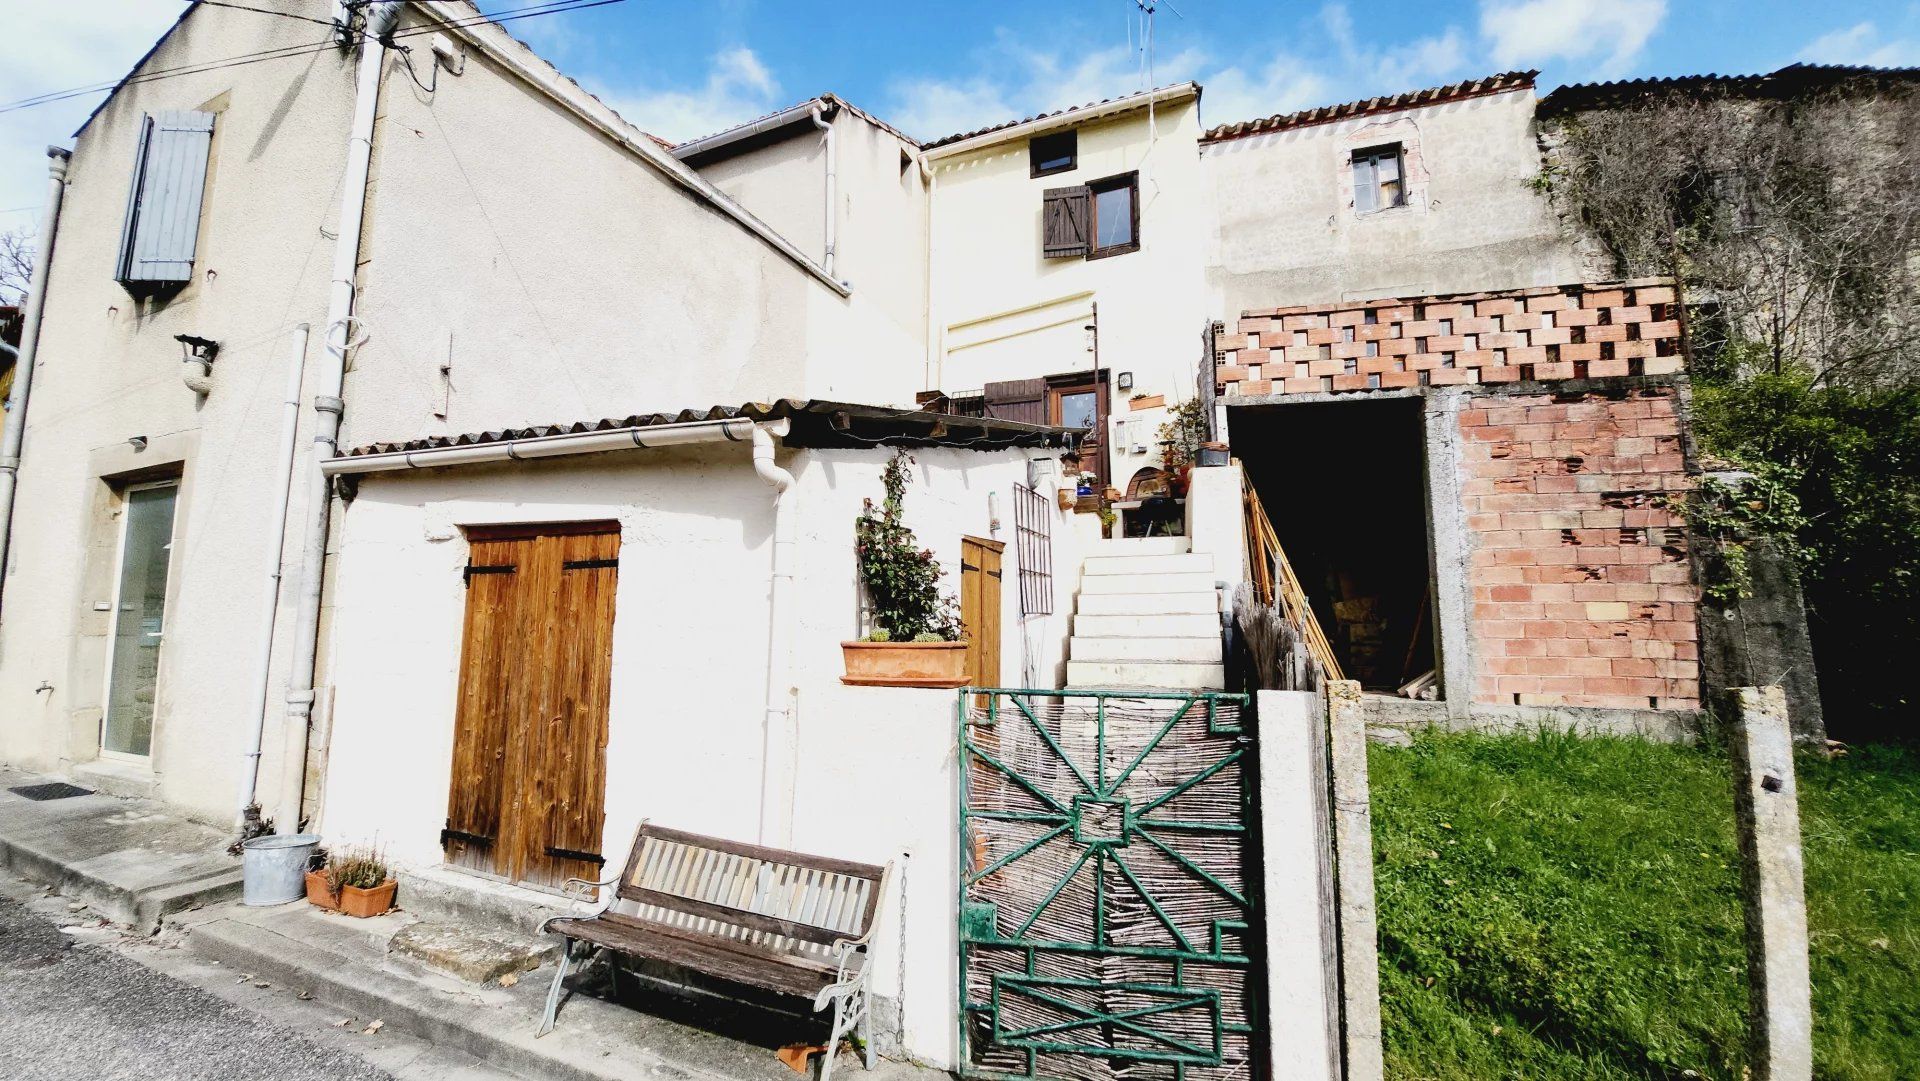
[1344,484]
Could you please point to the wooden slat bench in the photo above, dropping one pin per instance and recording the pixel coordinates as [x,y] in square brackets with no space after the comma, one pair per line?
[780,921]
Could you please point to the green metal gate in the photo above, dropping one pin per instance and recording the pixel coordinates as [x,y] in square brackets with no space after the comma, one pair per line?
[1107,914]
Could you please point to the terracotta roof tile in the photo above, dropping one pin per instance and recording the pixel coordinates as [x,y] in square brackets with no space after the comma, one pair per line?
[1411,99]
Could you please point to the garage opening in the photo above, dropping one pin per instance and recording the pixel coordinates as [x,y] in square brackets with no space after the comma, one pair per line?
[1345,486]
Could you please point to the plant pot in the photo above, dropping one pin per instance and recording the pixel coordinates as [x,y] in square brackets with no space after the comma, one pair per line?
[905,664]
[1147,401]
[355,901]
[318,893]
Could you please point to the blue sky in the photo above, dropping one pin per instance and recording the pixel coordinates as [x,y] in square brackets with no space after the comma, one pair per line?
[686,69]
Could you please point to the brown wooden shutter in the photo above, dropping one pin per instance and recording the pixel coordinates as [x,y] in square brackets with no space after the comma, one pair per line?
[1024,400]
[1066,223]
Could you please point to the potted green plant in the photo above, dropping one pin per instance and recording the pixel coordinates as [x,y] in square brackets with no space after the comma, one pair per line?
[1181,435]
[916,637]
[356,882]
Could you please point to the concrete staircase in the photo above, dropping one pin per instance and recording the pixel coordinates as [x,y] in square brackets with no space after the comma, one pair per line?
[1147,618]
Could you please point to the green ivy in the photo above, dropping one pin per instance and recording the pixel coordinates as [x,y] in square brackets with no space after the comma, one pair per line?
[1763,505]
[902,578]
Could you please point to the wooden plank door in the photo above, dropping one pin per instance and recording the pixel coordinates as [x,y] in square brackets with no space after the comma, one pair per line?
[527,798]
[980,608]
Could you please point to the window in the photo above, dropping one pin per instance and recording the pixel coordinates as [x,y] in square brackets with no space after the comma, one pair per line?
[1056,153]
[1116,215]
[1092,220]
[1377,183]
[162,226]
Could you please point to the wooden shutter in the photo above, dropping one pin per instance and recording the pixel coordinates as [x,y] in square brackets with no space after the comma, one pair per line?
[980,608]
[1065,222]
[1024,400]
[162,226]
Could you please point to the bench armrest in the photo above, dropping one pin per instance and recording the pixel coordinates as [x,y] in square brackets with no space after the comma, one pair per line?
[568,886]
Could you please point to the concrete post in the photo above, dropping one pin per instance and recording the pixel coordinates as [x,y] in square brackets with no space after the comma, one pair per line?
[1353,854]
[1773,874]
[1450,550]
[1303,988]
[1216,521]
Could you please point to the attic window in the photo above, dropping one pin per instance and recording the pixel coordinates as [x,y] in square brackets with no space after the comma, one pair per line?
[1377,178]
[1056,153]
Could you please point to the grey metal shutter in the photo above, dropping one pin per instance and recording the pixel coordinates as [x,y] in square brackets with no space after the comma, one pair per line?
[1024,400]
[163,205]
[1064,223]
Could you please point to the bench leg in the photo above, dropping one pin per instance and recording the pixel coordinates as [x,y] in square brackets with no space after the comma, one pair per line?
[866,1028]
[553,993]
[833,1039]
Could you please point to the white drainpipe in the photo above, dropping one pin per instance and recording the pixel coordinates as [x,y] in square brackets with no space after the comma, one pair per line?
[282,488]
[16,420]
[327,407]
[833,191]
[777,771]
[936,345]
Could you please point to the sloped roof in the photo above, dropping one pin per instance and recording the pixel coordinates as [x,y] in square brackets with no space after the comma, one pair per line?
[1411,99]
[828,100]
[1120,99]
[815,423]
[1791,81]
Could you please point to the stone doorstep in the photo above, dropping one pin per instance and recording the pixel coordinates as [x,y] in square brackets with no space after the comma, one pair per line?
[130,859]
[351,965]
[468,953]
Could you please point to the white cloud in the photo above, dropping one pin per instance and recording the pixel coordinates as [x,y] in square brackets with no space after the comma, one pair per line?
[1862,44]
[738,88]
[1013,79]
[1603,35]
[55,46]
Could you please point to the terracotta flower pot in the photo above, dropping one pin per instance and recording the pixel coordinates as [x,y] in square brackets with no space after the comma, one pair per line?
[319,893]
[905,664]
[355,901]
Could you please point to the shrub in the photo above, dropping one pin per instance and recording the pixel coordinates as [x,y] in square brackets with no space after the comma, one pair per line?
[901,577]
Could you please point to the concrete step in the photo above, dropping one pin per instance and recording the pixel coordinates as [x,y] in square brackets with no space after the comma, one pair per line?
[1183,582]
[1141,546]
[1148,604]
[1172,563]
[1145,649]
[1143,675]
[444,895]
[1190,625]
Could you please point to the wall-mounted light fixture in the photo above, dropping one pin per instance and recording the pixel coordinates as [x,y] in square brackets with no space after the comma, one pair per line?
[138,442]
[1125,380]
[196,367]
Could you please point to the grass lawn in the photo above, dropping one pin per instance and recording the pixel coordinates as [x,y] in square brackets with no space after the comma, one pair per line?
[1557,908]
[1860,824]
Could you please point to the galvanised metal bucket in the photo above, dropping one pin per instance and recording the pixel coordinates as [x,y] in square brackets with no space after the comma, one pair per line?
[273,868]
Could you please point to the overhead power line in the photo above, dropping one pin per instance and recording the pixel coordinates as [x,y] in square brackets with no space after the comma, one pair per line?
[552,7]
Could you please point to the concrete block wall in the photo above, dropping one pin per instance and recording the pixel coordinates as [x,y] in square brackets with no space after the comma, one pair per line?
[1540,334]
[1582,592]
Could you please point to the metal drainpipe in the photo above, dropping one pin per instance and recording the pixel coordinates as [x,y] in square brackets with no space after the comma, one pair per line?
[936,356]
[16,420]
[833,191]
[282,488]
[777,772]
[328,406]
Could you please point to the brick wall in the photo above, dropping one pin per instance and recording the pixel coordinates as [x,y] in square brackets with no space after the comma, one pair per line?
[1582,593]
[1548,333]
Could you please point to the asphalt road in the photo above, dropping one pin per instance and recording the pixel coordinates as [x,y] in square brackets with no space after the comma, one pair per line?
[83,1012]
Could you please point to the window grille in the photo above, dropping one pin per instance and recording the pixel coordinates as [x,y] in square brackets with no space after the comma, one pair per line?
[1033,533]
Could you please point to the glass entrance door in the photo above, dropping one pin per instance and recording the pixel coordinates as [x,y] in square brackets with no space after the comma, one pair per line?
[139,620]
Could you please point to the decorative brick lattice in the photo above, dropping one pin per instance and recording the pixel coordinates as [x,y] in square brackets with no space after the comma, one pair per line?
[1547,333]
[1582,592]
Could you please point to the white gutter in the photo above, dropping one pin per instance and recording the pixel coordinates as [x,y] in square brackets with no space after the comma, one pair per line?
[562,90]
[283,492]
[832,226]
[1069,118]
[328,406]
[778,120]
[733,429]
[16,420]
[779,739]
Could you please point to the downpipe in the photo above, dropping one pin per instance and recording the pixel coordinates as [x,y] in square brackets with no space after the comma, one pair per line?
[777,768]
[16,421]
[270,605]
[832,227]
[328,406]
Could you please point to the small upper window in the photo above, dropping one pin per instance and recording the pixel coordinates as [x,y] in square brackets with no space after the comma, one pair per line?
[1056,153]
[1377,180]
[1116,215]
